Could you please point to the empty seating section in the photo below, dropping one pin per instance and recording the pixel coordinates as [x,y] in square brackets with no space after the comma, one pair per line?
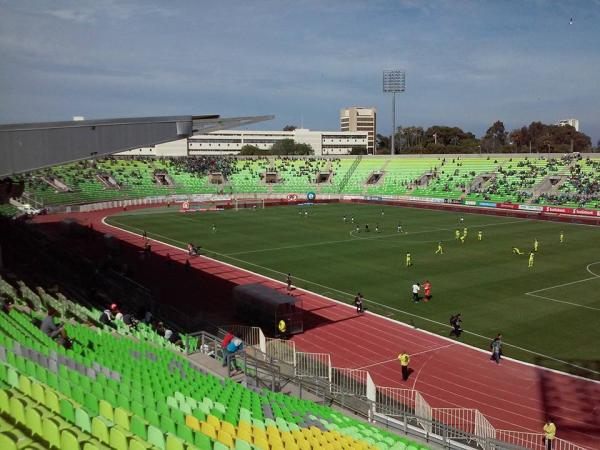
[512,178]
[112,391]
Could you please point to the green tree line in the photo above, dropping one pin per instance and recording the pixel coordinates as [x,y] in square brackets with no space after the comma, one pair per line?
[536,137]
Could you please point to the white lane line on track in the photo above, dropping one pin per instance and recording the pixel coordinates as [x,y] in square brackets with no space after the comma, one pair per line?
[585,369]
[411,355]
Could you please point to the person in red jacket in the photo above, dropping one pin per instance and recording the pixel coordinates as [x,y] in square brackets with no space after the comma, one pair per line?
[427,289]
[224,343]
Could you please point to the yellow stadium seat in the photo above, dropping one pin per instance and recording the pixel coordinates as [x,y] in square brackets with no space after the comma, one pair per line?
[215,422]
[303,445]
[259,434]
[228,428]
[193,423]
[208,430]
[244,435]
[244,425]
[261,443]
[225,438]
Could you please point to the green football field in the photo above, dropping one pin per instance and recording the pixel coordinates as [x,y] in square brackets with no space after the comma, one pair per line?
[547,313]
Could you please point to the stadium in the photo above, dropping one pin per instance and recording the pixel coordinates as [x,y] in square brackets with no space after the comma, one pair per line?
[198,282]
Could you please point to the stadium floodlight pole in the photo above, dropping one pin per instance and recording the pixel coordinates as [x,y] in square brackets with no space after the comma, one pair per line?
[394,81]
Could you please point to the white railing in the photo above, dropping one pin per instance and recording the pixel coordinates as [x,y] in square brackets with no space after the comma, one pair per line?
[317,365]
[466,425]
[349,382]
[534,441]
[423,412]
[484,431]
[281,350]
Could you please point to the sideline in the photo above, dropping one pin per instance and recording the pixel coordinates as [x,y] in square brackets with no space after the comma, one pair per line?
[397,322]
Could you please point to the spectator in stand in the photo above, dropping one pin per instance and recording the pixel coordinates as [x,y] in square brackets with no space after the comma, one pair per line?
[233,347]
[52,330]
[130,320]
[107,317]
[224,343]
[173,337]
[6,304]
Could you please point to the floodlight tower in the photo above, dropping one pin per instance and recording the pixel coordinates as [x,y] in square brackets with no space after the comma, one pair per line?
[394,81]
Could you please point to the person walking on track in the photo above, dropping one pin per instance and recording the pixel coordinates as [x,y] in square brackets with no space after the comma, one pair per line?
[549,433]
[358,301]
[496,347]
[455,323]
[404,359]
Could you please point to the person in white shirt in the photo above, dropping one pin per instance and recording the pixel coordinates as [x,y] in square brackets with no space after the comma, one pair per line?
[416,288]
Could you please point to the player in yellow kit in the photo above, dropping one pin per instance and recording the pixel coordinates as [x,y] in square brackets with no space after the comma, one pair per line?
[536,245]
[530,259]
[480,235]
[457,234]
[440,249]
[562,237]
[408,260]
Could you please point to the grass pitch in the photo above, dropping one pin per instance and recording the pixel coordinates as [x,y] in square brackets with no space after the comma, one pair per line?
[549,314]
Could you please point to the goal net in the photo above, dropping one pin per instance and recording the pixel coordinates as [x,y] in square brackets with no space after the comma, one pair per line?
[189,206]
[249,204]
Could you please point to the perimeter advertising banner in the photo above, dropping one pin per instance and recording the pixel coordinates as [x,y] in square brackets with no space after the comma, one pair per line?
[575,211]
[531,208]
[507,205]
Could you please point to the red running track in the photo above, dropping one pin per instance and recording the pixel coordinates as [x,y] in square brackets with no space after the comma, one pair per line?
[513,395]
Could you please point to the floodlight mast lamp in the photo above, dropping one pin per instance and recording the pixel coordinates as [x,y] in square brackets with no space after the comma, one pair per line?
[394,81]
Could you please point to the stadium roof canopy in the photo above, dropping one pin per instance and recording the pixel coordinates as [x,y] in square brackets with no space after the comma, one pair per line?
[31,146]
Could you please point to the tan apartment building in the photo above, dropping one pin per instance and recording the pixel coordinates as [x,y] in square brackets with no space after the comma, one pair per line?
[358,118]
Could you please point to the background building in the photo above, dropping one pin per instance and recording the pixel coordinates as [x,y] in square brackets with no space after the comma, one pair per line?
[230,142]
[359,119]
[573,122]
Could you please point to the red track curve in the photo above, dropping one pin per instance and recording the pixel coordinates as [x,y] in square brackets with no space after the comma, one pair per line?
[447,374]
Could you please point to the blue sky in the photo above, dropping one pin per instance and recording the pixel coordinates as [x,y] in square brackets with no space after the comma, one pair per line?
[468,63]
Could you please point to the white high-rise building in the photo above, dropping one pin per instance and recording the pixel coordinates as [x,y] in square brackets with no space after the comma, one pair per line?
[573,122]
[360,119]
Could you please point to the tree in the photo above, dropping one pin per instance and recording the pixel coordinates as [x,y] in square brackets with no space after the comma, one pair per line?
[495,136]
[250,150]
[549,138]
[289,128]
[383,144]
[289,147]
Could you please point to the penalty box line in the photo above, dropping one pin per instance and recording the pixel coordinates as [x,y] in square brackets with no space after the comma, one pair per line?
[594,277]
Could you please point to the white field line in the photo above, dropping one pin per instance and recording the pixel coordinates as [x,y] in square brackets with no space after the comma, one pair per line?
[375,303]
[411,355]
[563,301]
[595,277]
